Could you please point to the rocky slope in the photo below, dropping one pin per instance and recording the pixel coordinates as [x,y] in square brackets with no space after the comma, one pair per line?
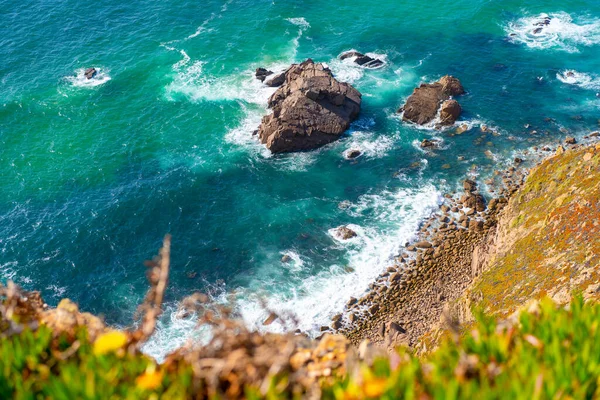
[539,238]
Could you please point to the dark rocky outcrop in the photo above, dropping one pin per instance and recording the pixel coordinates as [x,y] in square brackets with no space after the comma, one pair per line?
[423,105]
[362,59]
[262,73]
[90,73]
[310,109]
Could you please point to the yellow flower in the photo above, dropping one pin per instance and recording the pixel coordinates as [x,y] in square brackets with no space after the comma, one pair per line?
[374,387]
[149,380]
[109,341]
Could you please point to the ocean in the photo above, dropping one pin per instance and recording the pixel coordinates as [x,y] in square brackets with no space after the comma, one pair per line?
[96,172]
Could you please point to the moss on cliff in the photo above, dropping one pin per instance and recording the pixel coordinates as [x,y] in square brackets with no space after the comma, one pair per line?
[549,236]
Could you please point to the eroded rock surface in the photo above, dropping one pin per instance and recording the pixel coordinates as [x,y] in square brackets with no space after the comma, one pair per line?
[310,109]
[422,106]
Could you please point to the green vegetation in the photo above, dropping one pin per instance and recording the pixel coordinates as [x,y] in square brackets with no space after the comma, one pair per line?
[550,352]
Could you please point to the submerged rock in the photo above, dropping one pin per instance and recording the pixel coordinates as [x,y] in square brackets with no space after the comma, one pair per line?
[90,73]
[310,110]
[423,105]
[362,59]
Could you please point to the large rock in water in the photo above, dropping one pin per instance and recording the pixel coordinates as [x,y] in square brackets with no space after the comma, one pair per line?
[310,110]
[423,105]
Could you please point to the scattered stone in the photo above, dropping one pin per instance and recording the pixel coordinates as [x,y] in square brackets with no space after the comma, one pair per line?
[469,185]
[423,245]
[570,140]
[462,129]
[286,259]
[272,317]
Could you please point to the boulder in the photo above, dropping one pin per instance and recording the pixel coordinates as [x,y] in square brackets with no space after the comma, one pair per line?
[310,109]
[570,140]
[475,202]
[449,112]
[423,105]
[90,73]
[469,185]
[345,233]
[423,245]
[362,59]
[275,80]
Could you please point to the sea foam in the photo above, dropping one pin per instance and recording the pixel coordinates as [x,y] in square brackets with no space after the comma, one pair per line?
[563,32]
[583,80]
[392,218]
[79,79]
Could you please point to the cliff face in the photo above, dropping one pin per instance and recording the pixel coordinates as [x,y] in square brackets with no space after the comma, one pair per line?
[547,241]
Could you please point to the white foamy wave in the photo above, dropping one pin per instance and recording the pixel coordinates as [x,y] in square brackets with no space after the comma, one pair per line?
[555,31]
[586,81]
[301,22]
[191,82]
[79,80]
[174,332]
[303,25]
[393,219]
[295,264]
[347,70]
[370,144]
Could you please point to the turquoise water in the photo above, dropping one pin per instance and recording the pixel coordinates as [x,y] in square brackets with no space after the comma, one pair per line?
[95,173]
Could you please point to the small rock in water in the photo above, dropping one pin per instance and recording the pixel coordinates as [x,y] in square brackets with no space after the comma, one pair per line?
[570,140]
[362,59]
[286,258]
[352,154]
[346,233]
[90,73]
[428,143]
